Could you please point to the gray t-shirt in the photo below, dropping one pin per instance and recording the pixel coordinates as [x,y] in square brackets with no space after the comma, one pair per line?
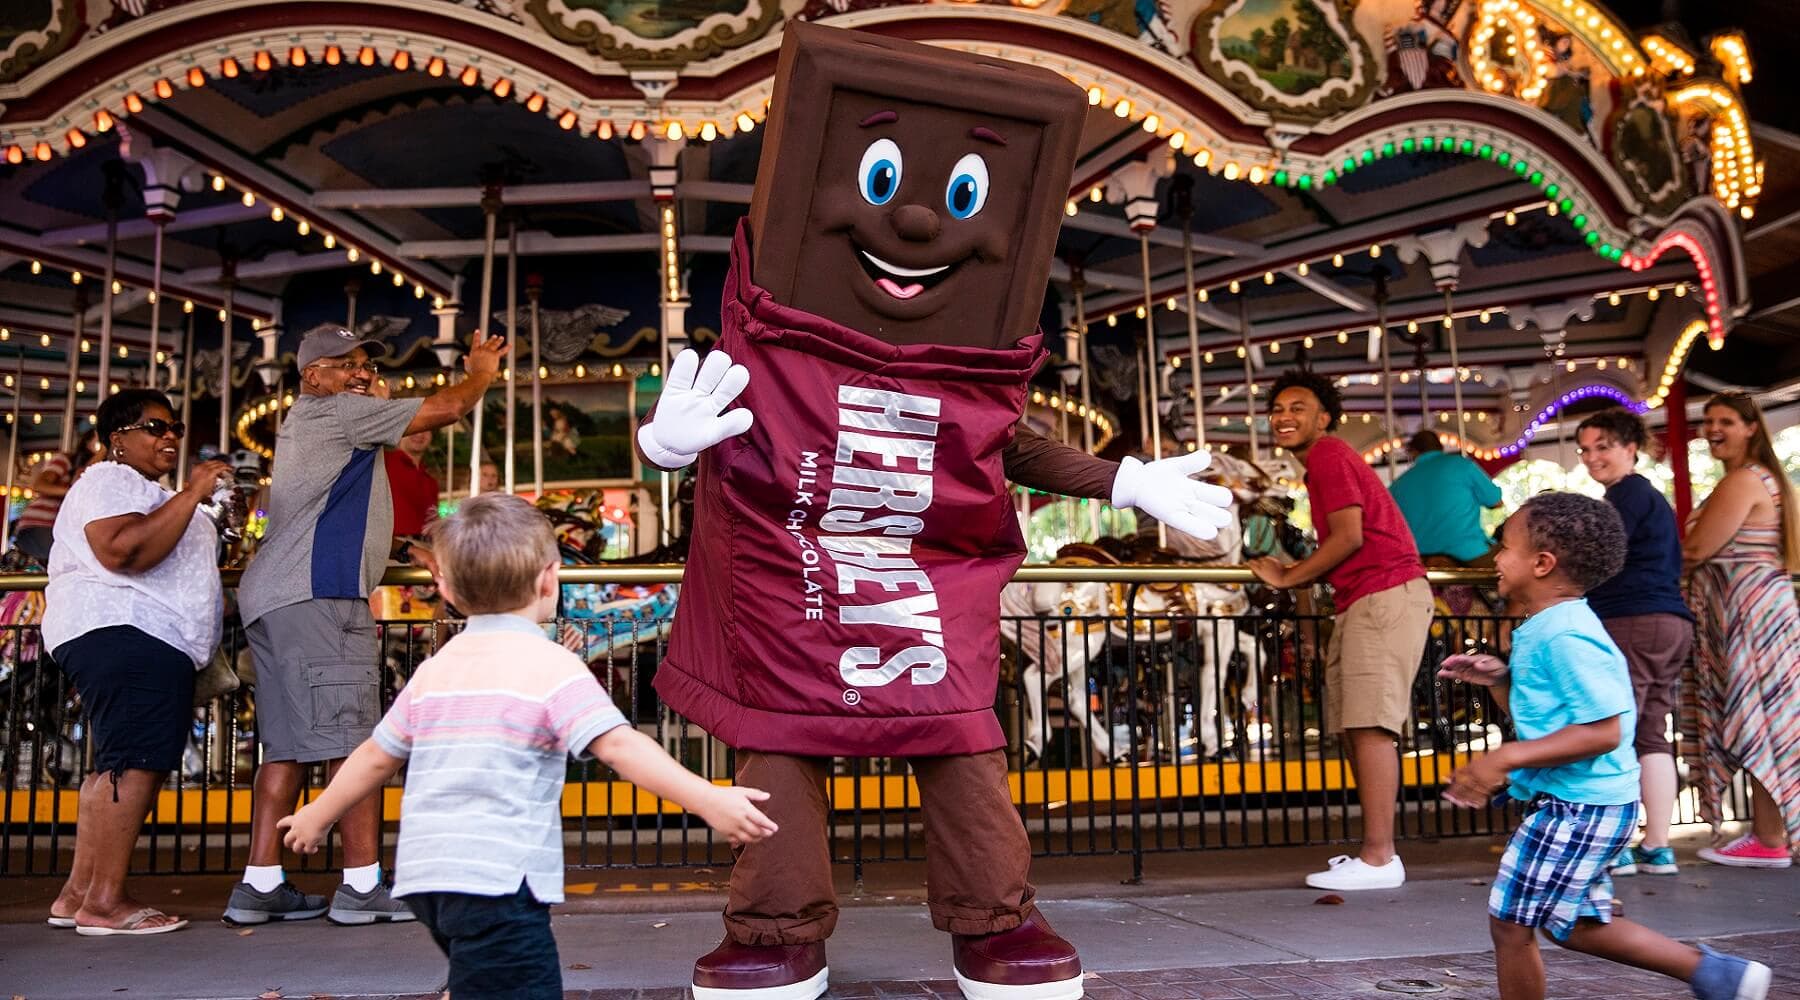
[331,517]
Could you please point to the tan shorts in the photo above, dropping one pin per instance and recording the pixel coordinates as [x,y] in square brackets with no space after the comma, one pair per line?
[1373,657]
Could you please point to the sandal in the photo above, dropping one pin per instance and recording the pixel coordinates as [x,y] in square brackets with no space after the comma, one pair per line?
[133,925]
[56,921]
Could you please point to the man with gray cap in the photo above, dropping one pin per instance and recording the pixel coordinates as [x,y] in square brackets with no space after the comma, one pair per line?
[304,602]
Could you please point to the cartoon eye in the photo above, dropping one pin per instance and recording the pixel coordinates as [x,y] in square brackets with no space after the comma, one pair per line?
[968,186]
[879,175]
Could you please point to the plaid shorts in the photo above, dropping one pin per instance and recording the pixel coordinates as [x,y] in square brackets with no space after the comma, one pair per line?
[1554,869]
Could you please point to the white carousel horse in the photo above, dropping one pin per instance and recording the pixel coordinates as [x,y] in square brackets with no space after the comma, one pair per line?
[1069,639]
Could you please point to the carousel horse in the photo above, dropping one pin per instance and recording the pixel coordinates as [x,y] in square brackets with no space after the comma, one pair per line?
[1055,628]
[32,685]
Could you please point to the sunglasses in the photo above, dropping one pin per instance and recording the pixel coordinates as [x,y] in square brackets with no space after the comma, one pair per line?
[367,366]
[158,428]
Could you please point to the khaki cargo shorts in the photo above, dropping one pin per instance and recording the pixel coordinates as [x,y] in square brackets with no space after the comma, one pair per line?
[1373,657]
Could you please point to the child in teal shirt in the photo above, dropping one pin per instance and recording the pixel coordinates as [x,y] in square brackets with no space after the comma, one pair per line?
[1569,694]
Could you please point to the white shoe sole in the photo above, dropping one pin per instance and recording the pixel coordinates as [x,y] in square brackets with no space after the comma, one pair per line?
[1708,854]
[811,989]
[356,918]
[1755,984]
[242,917]
[1066,989]
[1323,880]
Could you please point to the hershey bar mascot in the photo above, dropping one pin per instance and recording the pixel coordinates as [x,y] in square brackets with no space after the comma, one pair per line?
[849,543]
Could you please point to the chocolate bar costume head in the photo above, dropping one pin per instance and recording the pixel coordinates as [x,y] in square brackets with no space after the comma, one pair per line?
[911,192]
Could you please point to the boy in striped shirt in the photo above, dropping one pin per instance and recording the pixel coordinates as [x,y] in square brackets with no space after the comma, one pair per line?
[487,725]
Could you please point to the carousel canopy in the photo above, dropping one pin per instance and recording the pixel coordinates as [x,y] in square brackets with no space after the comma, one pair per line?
[1473,213]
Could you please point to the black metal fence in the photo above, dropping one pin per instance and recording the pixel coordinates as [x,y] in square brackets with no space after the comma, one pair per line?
[1140,719]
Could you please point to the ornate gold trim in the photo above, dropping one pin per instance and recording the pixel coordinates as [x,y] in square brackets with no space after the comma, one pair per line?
[592,33]
[1243,81]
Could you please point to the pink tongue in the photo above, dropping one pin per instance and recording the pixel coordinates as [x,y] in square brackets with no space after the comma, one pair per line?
[888,286]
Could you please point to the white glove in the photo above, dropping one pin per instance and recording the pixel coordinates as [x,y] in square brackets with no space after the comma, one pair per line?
[1163,490]
[689,415]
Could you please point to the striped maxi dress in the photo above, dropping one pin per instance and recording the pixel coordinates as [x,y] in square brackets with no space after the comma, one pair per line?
[1747,669]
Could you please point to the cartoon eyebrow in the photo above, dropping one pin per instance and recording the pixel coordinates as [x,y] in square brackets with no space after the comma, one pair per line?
[879,118]
[986,134]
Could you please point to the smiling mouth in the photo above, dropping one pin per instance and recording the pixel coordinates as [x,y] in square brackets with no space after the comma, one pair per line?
[902,282]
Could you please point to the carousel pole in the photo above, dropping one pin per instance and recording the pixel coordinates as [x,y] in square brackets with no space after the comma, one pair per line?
[1249,378]
[1152,370]
[351,287]
[1152,366]
[12,453]
[512,342]
[113,194]
[1087,402]
[230,283]
[490,207]
[69,436]
[1462,427]
[534,290]
[187,399]
[1387,368]
[1193,325]
[156,273]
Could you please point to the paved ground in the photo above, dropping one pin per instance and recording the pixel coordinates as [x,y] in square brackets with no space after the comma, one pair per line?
[1225,924]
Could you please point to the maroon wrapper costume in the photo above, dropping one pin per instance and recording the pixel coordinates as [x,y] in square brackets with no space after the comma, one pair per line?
[841,596]
[843,588]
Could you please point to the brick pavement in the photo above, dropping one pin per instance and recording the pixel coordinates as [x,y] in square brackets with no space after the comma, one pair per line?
[1468,976]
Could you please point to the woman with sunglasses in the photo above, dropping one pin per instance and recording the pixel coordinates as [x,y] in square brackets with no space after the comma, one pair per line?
[132,610]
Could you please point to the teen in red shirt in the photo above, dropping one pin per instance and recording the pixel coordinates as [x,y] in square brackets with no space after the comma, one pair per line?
[1384,612]
[415,490]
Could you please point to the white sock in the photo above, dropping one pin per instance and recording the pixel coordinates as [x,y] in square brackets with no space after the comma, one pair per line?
[363,879]
[264,878]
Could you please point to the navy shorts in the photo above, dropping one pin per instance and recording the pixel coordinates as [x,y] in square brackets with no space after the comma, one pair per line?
[500,947]
[137,692]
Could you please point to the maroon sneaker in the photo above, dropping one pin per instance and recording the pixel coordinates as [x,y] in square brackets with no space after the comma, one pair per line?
[735,971]
[1029,962]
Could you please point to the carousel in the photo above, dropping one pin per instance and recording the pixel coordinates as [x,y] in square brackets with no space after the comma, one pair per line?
[1479,216]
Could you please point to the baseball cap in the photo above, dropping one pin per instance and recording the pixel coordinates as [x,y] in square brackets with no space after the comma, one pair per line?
[331,340]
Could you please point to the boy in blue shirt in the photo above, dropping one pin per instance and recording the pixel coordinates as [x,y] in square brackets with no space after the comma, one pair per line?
[1569,695]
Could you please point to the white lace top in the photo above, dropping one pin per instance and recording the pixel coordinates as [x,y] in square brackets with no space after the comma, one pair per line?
[179,600]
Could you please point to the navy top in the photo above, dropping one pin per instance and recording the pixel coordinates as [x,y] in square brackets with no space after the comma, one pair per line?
[1650,583]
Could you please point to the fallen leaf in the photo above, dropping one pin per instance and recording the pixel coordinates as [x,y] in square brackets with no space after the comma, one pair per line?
[246,932]
[1329,899]
[272,994]
[660,923]
[1649,892]
[579,966]
[1478,881]
[1701,885]
[1447,972]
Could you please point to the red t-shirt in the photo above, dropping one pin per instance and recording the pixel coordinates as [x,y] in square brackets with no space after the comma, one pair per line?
[415,494]
[1336,478]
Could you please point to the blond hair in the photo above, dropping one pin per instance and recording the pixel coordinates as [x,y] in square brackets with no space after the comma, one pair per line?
[1762,452]
[491,552]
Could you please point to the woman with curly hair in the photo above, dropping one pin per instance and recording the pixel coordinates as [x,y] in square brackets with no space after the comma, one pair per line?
[1741,546]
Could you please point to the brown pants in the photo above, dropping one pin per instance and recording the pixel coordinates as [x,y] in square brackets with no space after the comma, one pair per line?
[1656,647]
[977,858]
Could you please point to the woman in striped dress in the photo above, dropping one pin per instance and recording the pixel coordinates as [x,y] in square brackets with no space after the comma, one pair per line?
[1741,546]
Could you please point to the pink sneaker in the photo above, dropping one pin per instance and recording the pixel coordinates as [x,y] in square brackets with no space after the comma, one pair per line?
[1747,852]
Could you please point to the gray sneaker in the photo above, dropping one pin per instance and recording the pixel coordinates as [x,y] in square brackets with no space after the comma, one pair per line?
[351,907]
[285,902]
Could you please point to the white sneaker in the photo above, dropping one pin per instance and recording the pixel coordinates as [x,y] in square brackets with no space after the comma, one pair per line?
[1348,873]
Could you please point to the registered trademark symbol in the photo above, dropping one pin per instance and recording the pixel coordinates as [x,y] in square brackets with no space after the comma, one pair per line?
[852,696]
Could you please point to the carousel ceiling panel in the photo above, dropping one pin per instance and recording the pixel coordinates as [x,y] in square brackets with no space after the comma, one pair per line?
[1397,170]
[414,148]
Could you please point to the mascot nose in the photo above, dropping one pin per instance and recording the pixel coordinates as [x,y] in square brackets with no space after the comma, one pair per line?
[915,223]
